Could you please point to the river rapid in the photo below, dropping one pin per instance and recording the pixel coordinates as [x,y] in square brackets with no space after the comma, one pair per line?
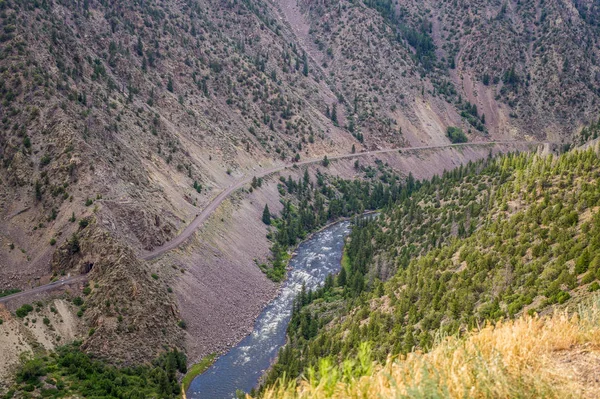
[242,367]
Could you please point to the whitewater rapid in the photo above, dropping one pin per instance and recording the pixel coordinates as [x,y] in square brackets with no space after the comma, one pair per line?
[242,367]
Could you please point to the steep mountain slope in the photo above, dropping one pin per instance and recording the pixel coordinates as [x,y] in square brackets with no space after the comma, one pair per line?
[120,120]
[529,67]
[516,235]
[551,357]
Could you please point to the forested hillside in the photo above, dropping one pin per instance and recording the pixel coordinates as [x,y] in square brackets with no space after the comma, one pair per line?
[517,235]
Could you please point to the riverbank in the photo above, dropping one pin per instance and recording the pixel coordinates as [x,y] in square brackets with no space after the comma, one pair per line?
[200,367]
[291,254]
[195,371]
[242,367]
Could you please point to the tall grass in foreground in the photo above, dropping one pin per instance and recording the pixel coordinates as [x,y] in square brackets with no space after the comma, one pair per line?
[531,357]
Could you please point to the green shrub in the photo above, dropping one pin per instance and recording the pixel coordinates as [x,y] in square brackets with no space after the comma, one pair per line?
[9,291]
[77,301]
[45,160]
[73,244]
[72,373]
[515,308]
[456,135]
[24,310]
[30,371]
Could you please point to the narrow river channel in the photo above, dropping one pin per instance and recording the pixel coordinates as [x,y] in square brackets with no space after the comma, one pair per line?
[242,367]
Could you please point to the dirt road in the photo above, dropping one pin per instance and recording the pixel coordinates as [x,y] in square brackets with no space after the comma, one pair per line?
[204,215]
[43,288]
[213,205]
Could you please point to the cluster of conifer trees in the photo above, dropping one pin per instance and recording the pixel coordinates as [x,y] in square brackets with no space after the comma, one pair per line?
[309,205]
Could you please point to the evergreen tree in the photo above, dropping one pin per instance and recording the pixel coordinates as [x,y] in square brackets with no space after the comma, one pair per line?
[139,47]
[341,279]
[334,114]
[266,217]
[305,66]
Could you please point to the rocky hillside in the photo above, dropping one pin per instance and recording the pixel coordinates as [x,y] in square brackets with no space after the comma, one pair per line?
[501,67]
[120,120]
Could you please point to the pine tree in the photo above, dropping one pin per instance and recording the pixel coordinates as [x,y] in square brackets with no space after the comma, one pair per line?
[140,48]
[341,280]
[305,66]
[266,217]
[334,115]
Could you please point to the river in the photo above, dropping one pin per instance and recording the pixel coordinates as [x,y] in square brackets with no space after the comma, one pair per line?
[242,367]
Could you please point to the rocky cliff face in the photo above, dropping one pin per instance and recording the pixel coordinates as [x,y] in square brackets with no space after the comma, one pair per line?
[530,67]
[132,115]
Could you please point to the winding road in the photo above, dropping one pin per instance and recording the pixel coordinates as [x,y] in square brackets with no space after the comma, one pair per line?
[44,288]
[214,204]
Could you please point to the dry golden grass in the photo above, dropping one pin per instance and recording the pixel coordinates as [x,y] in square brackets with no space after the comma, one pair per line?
[531,357]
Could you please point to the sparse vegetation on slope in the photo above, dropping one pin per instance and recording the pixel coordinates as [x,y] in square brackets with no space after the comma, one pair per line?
[588,133]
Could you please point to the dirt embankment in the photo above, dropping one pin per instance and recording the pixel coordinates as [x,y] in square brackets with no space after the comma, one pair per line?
[49,324]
